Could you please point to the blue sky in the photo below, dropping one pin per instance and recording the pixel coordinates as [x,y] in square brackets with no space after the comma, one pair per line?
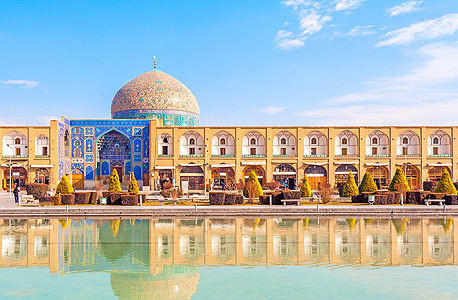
[293,62]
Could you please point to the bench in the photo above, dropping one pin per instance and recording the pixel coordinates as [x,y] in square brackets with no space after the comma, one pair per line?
[440,201]
[28,199]
[153,197]
[284,201]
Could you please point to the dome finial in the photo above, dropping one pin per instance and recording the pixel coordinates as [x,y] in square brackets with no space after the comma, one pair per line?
[154,57]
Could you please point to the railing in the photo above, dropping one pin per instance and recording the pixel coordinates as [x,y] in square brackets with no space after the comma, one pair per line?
[41,156]
[192,155]
[440,155]
[165,155]
[283,155]
[377,155]
[321,155]
[256,155]
[348,155]
[15,156]
[408,155]
[223,155]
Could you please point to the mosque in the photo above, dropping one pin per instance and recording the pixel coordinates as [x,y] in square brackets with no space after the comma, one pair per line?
[154,133]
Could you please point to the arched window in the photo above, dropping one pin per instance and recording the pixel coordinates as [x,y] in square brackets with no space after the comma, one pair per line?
[313,142]
[374,141]
[405,141]
[222,141]
[192,142]
[344,141]
[17,141]
[253,141]
[436,140]
[283,141]
[166,140]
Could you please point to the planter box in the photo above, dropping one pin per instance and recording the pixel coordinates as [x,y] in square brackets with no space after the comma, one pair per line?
[230,199]
[114,198]
[451,200]
[82,197]
[276,198]
[129,200]
[417,197]
[216,198]
[93,199]
[291,195]
[46,200]
[38,190]
[67,199]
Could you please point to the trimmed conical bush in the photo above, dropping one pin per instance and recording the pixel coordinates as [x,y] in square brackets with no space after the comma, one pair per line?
[350,188]
[115,184]
[64,186]
[254,179]
[445,184]
[305,188]
[368,184]
[133,185]
[399,182]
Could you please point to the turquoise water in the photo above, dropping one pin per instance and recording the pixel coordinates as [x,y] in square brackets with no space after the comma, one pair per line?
[346,258]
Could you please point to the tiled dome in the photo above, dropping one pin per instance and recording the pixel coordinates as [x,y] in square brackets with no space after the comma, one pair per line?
[156,94]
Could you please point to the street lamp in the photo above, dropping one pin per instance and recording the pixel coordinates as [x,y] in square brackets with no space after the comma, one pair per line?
[205,170]
[11,177]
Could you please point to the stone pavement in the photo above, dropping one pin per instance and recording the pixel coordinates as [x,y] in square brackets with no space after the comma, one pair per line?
[5,200]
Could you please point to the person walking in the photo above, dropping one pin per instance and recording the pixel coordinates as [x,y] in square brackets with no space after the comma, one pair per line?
[16,194]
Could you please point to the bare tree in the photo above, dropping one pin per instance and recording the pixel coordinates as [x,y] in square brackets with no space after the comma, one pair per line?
[325,191]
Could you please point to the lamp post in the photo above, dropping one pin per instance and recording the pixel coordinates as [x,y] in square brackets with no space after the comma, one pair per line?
[11,178]
[205,170]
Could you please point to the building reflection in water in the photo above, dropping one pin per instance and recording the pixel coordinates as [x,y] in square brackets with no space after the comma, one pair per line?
[162,256]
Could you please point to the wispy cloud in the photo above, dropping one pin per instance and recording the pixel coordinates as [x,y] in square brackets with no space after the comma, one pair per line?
[358,31]
[272,110]
[427,95]
[45,119]
[23,83]
[404,8]
[313,15]
[347,4]
[425,30]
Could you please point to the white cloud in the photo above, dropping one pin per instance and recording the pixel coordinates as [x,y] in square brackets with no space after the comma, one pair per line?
[285,41]
[347,4]
[24,83]
[272,110]
[313,16]
[404,8]
[358,31]
[426,95]
[311,22]
[425,30]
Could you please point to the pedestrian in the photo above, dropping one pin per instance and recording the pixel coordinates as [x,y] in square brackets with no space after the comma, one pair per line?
[16,194]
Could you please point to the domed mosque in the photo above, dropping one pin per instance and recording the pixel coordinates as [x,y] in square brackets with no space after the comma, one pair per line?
[156,94]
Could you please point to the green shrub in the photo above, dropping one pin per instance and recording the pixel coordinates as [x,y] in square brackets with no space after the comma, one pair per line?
[445,184]
[258,189]
[399,182]
[115,184]
[305,188]
[133,185]
[368,184]
[64,186]
[350,188]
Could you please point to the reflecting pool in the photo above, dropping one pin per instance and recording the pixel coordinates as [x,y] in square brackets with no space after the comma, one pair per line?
[311,258]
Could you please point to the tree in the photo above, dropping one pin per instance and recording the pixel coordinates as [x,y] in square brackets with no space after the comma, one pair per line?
[114,184]
[133,185]
[326,191]
[445,184]
[368,184]
[399,182]
[350,188]
[257,189]
[64,186]
[305,188]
